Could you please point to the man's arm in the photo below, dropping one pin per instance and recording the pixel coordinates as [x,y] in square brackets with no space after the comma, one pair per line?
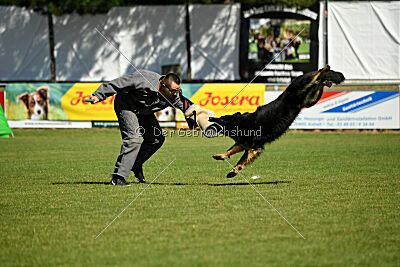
[95,98]
[184,104]
[121,84]
[104,91]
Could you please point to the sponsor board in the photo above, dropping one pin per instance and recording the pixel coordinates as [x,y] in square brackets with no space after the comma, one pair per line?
[228,98]
[73,105]
[65,101]
[49,124]
[277,43]
[114,124]
[349,110]
[335,110]
[3,97]
[105,124]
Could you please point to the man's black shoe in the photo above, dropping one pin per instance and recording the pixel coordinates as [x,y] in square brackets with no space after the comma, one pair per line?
[138,171]
[118,180]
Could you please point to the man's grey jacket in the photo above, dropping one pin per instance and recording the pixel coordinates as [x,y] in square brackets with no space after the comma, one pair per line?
[140,92]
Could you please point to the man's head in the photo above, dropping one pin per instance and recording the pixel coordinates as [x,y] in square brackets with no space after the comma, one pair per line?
[170,86]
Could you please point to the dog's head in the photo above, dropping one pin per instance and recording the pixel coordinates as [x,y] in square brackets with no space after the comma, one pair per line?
[36,103]
[308,88]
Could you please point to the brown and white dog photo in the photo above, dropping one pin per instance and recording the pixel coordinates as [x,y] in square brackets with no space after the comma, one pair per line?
[36,103]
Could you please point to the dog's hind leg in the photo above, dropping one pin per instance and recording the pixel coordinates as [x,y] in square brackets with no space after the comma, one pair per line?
[231,151]
[248,157]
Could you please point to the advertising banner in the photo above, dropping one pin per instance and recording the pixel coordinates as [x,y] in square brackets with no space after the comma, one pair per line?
[228,98]
[64,101]
[3,97]
[36,101]
[278,43]
[77,110]
[349,110]
[56,101]
[42,104]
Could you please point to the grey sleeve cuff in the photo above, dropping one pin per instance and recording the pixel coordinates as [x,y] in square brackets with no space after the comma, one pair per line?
[104,91]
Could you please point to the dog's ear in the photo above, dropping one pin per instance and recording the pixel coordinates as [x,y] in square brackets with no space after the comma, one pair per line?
[43,92]
[25,99]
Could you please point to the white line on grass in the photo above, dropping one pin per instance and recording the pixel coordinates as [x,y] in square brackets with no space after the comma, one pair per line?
[135,198]
[264,68]
[132,65]
[266,200]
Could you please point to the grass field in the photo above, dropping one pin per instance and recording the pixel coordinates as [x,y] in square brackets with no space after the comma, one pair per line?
[340,190]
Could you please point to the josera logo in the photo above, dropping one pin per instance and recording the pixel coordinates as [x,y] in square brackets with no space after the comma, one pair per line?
[216,96]
[78,110]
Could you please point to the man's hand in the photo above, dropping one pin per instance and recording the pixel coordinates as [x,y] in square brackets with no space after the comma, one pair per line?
[95,98]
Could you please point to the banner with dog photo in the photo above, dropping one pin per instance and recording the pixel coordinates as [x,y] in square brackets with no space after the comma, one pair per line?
[35,101]
[56,102]
[64,101]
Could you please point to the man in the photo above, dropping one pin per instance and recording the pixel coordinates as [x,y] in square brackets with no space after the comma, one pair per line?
[138,96]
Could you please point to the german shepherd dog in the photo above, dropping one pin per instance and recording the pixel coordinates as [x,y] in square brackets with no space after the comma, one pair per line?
[273,120]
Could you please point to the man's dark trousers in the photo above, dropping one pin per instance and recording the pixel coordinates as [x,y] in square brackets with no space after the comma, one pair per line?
[133,127]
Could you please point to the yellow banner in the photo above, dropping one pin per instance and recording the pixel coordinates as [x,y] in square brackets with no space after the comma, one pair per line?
[228,98]
[78,110]
[222,98]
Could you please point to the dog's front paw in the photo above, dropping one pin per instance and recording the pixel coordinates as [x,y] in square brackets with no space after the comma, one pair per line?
[231,174]
[219,156]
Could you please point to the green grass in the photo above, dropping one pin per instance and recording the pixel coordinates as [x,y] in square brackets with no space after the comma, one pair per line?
[304,48]
[340,190]
[295,60]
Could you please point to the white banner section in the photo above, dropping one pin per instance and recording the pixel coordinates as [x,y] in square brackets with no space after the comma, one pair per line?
[364,38]
[348,110]
[24,45]
[49,124]
[214,35]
